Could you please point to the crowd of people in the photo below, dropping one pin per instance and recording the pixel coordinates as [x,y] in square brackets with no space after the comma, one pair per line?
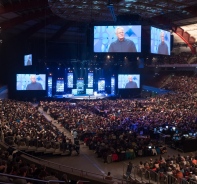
[181,58]
[178,166]
[116,126]
[115,129]
[12,163]
[23,124]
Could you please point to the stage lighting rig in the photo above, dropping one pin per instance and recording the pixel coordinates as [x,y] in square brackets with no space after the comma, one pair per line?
[110,6]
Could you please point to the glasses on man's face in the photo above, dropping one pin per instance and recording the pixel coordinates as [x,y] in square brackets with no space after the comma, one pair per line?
[122,32]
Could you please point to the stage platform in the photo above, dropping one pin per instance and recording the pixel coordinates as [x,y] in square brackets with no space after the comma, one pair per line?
[83,96]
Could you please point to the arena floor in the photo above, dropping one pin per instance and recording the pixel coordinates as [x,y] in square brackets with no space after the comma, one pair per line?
[87,160]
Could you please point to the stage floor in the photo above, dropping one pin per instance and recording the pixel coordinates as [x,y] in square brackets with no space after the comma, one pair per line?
[84,96]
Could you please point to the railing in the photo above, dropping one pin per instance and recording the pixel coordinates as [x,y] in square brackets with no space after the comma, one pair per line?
[149,176]
[66,169]
[82,181]
[184,182]
[192,182]
[31,179]
[141,175]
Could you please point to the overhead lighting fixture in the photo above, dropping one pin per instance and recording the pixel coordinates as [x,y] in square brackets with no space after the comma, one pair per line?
[110,6]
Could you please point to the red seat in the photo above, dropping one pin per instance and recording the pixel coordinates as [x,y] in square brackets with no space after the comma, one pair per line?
[114,157]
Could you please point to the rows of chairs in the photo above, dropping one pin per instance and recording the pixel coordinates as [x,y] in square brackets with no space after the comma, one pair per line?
[39,147]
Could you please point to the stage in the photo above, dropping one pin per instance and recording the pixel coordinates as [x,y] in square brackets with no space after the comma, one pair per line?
[84,96]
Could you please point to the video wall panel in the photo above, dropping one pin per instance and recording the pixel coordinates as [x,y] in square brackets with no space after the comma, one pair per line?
[60,85]
[90,80]
[101,85]
[70,80]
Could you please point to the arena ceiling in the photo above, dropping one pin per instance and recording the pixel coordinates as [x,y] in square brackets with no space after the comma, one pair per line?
[68,20]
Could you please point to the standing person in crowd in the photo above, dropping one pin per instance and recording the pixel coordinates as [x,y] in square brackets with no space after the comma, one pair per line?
[129,169]
[108,177]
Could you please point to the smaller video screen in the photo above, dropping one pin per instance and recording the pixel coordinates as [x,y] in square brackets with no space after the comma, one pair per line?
[30,81]
[128,81]
[28,60]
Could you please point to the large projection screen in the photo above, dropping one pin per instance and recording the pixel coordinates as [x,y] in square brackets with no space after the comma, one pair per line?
[119,38]
[30,81]
[160,41]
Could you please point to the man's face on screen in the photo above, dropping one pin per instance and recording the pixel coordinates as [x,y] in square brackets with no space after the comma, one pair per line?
[130,78]
[33,79]
[120,34]
[162,36]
